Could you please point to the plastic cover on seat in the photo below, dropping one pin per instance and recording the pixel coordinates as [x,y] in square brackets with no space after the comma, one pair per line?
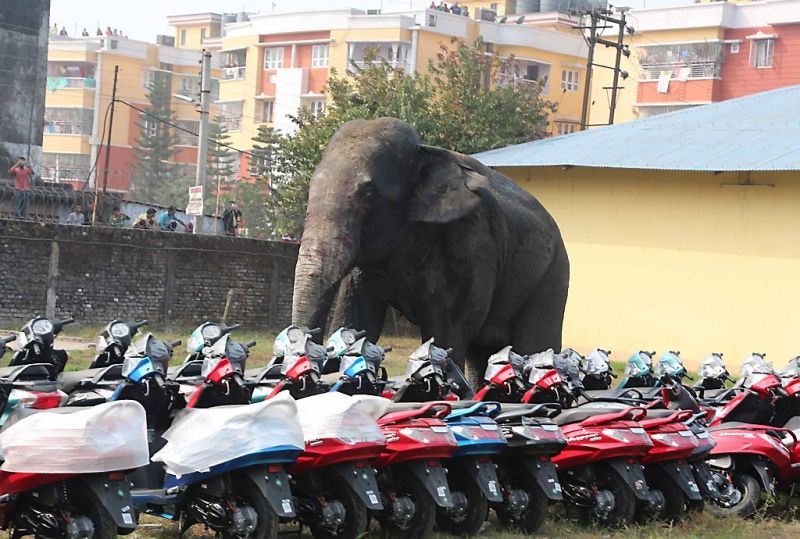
[104,438]
[336,415]
[200,438]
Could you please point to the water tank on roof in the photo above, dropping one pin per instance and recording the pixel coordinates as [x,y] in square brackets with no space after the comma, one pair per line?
[528,6]
[567,5]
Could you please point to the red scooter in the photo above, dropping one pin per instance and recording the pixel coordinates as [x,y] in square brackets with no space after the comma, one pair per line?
[756,445]
[411,476]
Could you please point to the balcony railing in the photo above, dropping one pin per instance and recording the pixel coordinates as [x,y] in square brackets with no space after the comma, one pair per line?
[233,73]
[232,124]
[56,83]
[67,128]
[509,80]
[363,64]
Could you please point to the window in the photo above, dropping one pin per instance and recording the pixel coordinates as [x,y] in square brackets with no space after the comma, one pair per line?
[202,35]
[182,138]
[317,108]
[68,121]
[319,56]
[761,52]
[570,80]
[735,48]
[150,127]
[273,58]
[183,38]
[188,86]
[266,112]
[148,79]
[565,128]
[231,113]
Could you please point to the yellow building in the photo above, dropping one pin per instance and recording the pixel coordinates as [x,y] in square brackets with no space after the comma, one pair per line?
[273,64]
[79,88]
[680,228]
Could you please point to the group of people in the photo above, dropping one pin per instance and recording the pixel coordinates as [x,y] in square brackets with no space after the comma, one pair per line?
[54,31]
[453,8]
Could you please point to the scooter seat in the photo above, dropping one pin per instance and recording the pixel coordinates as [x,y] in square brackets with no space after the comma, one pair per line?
[731,425]
[576,415]
[71,379]
[27,373]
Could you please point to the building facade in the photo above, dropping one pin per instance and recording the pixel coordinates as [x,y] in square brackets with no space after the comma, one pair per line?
[274,64]
[80,78]
[701,53]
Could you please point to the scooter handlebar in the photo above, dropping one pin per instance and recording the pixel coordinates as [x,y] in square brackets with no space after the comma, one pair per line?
[227,329]
[387,348]
[8,339]
[314,331]
[178,342]
[139,324]
[250,344]
[360,334]
[64,322]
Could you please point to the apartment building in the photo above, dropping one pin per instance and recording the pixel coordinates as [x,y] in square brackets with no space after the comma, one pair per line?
[702,53]
[80,75]
[273,64]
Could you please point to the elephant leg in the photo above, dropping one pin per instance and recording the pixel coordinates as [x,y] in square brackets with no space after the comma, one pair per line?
[359,307]
[540,323]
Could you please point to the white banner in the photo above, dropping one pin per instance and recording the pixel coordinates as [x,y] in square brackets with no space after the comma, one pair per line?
[195,206]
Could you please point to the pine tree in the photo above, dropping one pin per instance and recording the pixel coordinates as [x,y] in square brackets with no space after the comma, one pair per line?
[264,153]
[219,163]
[156,179]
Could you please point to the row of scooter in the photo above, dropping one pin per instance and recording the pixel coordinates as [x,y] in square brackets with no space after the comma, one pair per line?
[414,452]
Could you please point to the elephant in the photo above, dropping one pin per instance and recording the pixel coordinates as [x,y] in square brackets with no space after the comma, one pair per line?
[456,247]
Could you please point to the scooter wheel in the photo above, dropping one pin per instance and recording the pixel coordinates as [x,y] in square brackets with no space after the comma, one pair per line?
[247,493]
[751,497]
[471,518]
[421,524]
[624,502]
[355,520]
[85,503]
[532,518]
[675,502]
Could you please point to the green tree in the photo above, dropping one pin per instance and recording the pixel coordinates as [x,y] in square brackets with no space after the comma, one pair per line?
[156,178]
[219,163]
[463,104]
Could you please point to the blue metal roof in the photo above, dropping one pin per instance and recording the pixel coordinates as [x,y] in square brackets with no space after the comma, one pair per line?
[751,133]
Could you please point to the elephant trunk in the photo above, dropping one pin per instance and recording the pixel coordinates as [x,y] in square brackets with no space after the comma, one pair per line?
[327,254]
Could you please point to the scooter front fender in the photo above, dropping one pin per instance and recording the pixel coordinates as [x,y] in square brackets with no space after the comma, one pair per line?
[363,482]
[275,488]
[546,476]
[115,497]
[705,480]
[633,475]
[681,474]
[435,480]
[484,475]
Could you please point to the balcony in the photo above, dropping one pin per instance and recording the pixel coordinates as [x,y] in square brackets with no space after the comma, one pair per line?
[55,83]
[234,73]
[526,73]
[364,54]
[683,60]
[68,121]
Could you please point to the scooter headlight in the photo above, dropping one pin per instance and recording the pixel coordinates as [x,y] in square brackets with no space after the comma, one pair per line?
[42,327]
[634,435]
[119,330]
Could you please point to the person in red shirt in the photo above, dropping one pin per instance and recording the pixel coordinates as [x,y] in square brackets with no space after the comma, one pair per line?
[22,173]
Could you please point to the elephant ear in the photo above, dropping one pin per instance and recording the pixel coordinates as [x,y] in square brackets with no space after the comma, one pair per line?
[447,190]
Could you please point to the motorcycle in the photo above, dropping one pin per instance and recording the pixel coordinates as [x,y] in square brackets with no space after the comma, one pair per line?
[113,341]
[411,475]
[503,377]
[35,343]
[360,363]
[670,365]
[223,368]
[639,371]
[596,369]
[241,496]
[713,376]
[84,492]
[188,374]
[431,375]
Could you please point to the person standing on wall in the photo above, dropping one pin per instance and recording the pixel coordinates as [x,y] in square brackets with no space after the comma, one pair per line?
[231,218]
[22,173]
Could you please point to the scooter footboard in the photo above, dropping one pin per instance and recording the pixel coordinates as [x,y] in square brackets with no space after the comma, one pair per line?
[633,475]
[435,480]
[362,481]
[115,496]
[546,477]
[681,474]
[274,486]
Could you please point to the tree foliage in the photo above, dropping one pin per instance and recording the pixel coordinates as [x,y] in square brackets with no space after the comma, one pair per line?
[463,103]
[219,163]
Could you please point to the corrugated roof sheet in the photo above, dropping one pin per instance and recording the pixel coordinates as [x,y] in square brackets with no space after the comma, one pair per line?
[751,133]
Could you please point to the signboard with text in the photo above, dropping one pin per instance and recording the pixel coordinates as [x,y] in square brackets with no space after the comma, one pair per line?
[195,206]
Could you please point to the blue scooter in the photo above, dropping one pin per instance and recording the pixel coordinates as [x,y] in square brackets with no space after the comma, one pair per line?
[243,497]
[471,473]
[639,371]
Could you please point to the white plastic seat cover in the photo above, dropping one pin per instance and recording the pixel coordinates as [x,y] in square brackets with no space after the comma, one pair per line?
[204,437]
[104,438]
[336,415]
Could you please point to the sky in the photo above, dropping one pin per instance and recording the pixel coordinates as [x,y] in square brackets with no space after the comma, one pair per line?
[144,19]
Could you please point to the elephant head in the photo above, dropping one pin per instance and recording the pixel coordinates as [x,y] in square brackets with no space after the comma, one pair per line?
[373,181]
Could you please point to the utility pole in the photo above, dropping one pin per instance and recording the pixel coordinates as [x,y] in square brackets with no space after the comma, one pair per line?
[202,143]
[605,16]
[108,145]
[587,83]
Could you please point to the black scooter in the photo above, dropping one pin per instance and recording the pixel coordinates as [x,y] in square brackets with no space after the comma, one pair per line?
[36,339]
[113,341]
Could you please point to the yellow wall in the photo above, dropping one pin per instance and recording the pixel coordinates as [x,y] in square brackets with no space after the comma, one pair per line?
[503,6]
[193,34]
[243,90]
[626,98]
[672,260]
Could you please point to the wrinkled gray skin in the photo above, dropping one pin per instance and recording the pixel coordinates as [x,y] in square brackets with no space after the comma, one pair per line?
[456,247]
